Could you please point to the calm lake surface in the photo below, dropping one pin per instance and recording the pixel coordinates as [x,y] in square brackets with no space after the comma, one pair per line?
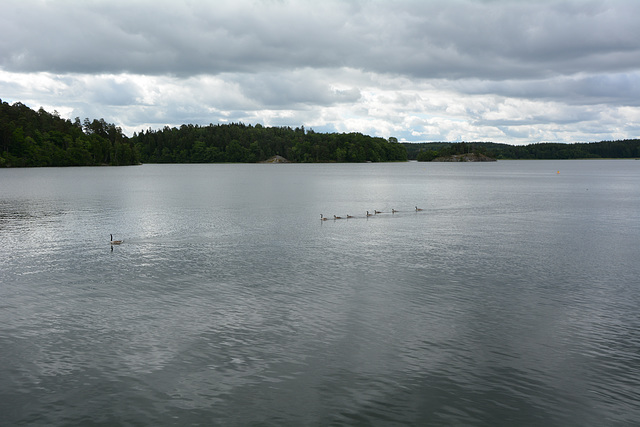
[511,299]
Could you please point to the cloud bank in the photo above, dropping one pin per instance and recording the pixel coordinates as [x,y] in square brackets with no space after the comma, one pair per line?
[492,70]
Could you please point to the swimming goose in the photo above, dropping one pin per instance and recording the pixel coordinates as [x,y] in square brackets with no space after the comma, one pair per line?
[115,242]
[368,214]
[376,212]
[322,218]
[418,209]
[393,211]
[349,216]
[337,217]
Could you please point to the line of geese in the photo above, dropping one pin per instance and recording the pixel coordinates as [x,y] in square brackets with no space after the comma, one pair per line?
[375,212]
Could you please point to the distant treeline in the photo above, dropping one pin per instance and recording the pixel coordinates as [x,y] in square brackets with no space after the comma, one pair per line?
[39,138]
[625,149]
[242,143]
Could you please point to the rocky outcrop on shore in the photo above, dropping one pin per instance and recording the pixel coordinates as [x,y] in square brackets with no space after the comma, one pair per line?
[276,159]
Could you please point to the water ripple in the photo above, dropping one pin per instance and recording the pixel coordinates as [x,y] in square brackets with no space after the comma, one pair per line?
[510,299]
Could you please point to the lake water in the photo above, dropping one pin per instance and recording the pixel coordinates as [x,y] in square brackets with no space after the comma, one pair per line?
[512,298]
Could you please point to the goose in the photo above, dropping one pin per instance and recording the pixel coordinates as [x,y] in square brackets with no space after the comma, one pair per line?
[322,218]
[376,212]
[418,209]
[349,216]
[115,242]
[393,211]
[368,214]
[337,217]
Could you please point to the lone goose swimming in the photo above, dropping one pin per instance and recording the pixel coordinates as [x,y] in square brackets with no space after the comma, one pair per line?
[418,209]
[115,242]
[322,218]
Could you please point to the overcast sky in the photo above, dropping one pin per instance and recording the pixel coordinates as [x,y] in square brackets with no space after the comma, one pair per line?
[444,70]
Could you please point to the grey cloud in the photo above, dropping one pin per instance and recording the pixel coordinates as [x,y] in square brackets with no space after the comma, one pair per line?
[293,89]
[164,37]
[618,88]
[452,39]
[507,39]
[570,117]
[112,92]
